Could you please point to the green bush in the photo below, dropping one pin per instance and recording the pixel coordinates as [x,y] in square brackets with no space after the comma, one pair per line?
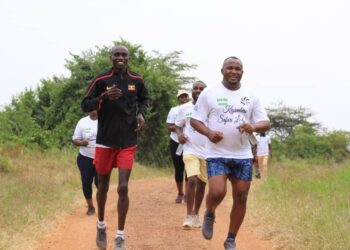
[46,117]
[305,143]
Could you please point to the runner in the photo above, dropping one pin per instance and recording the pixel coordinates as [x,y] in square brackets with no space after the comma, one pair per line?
[121,99]
[182,97]
[233,112]
[85,137]
[263,150]
[194,158]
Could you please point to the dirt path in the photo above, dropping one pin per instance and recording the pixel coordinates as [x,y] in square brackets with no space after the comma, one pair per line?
[154,222]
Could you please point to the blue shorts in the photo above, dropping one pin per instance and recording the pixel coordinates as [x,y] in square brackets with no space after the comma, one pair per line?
[241,169]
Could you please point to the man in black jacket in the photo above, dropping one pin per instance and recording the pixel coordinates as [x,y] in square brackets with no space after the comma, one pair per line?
[121,99]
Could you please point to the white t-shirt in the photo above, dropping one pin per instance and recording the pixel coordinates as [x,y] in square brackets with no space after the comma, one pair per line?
[86,129]
[195,141]
[171,119]
[225,110]
[262,148]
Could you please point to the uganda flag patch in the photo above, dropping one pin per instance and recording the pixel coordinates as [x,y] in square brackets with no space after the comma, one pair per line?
[131,87]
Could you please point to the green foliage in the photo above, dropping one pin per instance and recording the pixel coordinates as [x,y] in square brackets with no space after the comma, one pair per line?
[46,117]
[306,143]
[284,119]
[294,136]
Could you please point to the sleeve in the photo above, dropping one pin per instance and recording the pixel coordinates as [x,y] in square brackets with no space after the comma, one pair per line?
[259,112]
[171,117]
[201,109]
[78,132]
[180,119]
[142,100]
[93,97]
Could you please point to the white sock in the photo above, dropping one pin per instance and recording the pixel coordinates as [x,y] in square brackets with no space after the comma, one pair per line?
[120,233]
[101,224]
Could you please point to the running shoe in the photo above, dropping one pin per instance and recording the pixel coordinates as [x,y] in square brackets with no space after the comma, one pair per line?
[208,226]
[119,243]
[196,222]
[101,238]
[188,222]
[90,211]
[230,244]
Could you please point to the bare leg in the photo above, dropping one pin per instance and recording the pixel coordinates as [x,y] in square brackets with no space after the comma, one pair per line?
[89,203]
[240,190]
[190,193]
[179,186]
[200,190]
[123,199]
[101,196]
[217,192]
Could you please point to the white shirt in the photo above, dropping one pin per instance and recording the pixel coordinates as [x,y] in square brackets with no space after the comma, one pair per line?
[195,141]
[171,119]
[225,110]
[262,148]
[86,129]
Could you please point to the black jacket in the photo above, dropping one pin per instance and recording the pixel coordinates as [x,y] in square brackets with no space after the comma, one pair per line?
[117,118]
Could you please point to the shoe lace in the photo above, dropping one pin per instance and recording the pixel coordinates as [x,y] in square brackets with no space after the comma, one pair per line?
[209,221]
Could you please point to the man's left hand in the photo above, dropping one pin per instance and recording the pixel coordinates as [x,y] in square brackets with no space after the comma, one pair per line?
[140,122]
[246,127]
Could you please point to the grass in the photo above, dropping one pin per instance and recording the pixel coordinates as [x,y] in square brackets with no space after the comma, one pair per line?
[305,205]
[302,205]
[38,187]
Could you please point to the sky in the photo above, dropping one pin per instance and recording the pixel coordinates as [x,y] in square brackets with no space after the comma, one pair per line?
[295,52]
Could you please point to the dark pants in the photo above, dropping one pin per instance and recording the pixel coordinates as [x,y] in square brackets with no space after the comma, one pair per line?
[177,161]
[88,174]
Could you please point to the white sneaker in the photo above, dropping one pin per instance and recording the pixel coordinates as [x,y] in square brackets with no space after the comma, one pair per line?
[188,222]
[196,222]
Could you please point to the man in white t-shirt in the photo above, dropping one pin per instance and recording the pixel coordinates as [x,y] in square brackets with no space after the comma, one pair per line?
[263,150]
[233,112]
[193,157]
[182,97]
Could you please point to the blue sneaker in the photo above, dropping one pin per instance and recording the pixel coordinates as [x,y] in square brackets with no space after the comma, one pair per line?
[208,226]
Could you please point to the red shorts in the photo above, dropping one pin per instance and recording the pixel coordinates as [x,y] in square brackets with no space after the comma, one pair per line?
[108,158]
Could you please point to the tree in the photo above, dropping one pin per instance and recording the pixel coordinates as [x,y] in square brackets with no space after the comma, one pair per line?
[53,109]
[285,119]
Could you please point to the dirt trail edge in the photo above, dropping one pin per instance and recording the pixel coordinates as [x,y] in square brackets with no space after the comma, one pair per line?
[154,222]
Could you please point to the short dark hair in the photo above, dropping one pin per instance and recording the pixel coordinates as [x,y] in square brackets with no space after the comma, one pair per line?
[233,57]
[201,82]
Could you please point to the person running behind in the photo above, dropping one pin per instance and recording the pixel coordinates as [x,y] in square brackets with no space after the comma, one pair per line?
[182,97]
[263,150]
[121,99]
[194,158]
[85,137]
[233,113]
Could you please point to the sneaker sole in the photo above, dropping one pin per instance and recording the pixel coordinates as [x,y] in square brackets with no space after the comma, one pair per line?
[200,226]
[205,236]
[186,227]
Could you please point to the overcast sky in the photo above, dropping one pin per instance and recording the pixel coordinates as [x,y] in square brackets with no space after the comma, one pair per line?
[296,51]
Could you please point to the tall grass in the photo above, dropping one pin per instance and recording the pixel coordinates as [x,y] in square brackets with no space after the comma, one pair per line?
[306,205]
[38,187]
